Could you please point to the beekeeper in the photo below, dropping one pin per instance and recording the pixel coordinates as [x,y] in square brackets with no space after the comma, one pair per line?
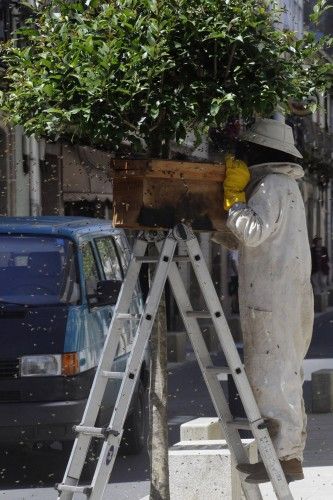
[266,214]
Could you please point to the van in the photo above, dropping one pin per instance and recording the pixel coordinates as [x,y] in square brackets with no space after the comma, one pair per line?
[59,281]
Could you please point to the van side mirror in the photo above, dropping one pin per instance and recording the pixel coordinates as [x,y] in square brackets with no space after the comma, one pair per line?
[108,292]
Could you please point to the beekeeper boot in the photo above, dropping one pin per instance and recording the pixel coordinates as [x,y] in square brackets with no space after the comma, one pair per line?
[257,472]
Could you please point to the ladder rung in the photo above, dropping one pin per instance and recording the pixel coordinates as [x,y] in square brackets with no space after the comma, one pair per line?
[113,375]
[198,314]
[127,316]
[218,370]
[86,490]
[101,432]
[240,424]
[148,260]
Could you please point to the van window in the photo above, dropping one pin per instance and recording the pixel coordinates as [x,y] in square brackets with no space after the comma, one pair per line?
[109,258]
[38,270]
[123,252]
[90,271]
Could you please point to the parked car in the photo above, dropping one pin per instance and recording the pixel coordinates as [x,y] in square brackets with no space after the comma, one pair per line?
[55,310]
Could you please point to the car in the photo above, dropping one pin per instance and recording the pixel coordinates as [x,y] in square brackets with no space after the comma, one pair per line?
[59,281]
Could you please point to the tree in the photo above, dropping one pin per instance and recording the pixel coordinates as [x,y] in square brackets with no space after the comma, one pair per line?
[142,72]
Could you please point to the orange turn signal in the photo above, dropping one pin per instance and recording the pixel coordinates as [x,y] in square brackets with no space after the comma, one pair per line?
[70,363]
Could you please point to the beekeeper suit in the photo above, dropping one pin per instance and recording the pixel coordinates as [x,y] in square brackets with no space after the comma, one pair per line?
[275,293]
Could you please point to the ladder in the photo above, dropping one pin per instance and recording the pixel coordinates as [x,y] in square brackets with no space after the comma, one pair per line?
[167,268]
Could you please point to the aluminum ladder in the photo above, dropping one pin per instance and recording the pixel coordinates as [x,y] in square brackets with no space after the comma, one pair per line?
[166,267]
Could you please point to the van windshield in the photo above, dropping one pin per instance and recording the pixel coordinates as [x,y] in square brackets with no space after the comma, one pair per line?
[38,270]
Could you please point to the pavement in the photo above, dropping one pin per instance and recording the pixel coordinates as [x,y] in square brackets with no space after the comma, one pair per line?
[188,399]
[318,462]
[317,485]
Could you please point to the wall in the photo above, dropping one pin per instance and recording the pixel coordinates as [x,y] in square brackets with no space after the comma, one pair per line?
[3,175]
[86,186]
[292,17]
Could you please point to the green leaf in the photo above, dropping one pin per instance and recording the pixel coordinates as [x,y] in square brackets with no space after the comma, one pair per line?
[48,89]
[56,111]
[239,38]
[217,104]
[89,44]
[215,107]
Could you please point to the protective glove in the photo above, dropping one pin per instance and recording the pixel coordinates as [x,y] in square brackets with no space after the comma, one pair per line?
[236,179]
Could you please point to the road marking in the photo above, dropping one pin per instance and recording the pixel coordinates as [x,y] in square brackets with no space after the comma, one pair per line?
[181,419]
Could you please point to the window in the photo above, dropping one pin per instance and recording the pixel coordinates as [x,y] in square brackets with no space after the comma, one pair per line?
[38,270]
[109,258]
[90,271]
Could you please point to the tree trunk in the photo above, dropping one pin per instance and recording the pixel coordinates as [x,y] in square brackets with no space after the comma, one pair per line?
[158,395]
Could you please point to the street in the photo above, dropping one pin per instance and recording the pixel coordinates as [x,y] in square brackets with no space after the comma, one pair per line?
[31,474]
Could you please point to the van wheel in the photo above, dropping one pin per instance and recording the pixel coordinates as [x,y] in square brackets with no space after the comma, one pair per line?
[89,466]
[90,463]
[135,429]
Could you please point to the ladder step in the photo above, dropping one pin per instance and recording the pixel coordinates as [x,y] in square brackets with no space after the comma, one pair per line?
[113,375]
[86,490]
[240,424]
[127,316]
[198,314]
[218,370]
[101,432]
[148,260]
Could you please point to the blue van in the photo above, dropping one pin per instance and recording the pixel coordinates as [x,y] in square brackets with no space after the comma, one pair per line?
[56,274]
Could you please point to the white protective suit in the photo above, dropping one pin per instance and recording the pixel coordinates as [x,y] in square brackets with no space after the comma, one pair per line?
[276,298]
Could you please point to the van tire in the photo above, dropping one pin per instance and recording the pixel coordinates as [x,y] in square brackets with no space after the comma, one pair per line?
[134,438]
[135,429]
[90,464]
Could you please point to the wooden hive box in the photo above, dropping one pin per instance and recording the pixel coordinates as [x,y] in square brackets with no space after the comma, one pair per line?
[161,193]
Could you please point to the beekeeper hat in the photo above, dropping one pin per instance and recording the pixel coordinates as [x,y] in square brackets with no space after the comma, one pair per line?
[272,134]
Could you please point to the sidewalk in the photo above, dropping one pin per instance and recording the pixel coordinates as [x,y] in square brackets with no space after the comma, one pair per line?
[318,462]
[317,485]
[318,466]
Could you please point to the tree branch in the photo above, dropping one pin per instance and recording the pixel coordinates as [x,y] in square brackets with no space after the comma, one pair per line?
[232,54]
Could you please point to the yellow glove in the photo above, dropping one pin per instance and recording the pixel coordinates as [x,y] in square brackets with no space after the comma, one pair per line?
[236,178]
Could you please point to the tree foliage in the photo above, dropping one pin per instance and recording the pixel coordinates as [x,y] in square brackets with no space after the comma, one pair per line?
[105,72]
